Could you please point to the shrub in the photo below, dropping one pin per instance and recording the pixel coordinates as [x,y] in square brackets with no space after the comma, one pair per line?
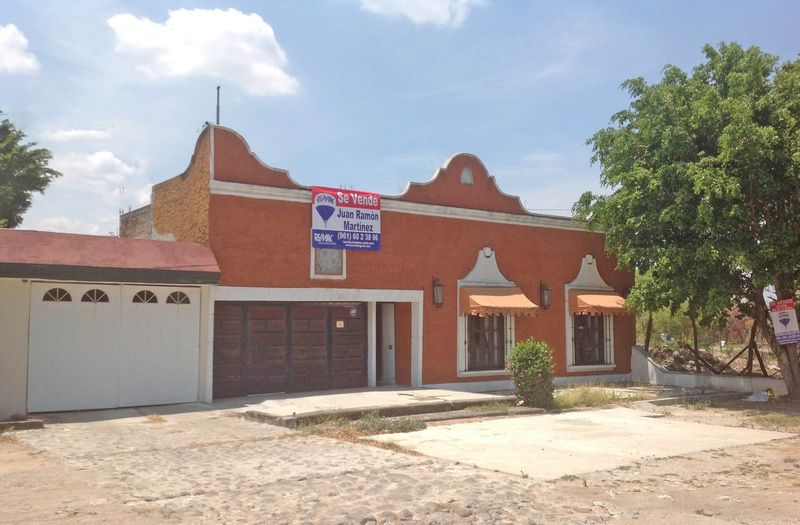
[530,364]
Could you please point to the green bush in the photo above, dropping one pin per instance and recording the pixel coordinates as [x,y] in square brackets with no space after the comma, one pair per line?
[531,366]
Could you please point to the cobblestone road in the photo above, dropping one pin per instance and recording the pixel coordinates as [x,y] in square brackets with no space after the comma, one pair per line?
[216,468]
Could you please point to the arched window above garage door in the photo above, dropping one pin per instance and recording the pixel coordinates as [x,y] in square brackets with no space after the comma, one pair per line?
[177,298]
[94,295]
[145,296]
[57,295]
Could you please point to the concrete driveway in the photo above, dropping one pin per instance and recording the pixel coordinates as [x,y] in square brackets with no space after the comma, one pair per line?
[550,446]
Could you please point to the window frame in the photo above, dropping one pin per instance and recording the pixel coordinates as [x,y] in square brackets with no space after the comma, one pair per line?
[177,298]
[57,295]
[608,338]
[95,296]
[144,297]
[485,328]
[338,276]
[601,327]
[509,330]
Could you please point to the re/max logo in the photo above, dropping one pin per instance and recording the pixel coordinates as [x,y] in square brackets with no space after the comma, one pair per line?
[325,198]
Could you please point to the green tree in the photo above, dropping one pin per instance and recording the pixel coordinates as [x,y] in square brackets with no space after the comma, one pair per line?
[23,170]
[704,177]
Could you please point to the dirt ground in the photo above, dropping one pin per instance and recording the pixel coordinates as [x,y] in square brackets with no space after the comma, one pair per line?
[755,484]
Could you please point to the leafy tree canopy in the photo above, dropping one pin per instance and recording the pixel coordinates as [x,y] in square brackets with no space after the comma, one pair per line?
[23,170]
[703,171]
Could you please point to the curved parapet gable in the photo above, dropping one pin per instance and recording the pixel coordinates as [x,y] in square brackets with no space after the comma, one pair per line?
[234,161]
[463,182]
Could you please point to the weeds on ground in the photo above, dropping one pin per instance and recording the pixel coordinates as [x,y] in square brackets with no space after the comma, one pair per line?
[155,418]
[584,396]
[5,437]
[599,394]
[370,424]
[490,406]
[777,421]
[698,405]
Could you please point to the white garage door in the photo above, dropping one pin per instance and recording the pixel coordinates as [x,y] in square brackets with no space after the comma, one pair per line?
[105,346]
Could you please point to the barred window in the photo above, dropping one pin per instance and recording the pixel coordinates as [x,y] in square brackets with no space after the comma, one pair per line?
[486,344]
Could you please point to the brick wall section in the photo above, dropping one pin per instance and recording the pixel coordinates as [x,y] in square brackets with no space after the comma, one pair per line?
[137,224]
[180,204]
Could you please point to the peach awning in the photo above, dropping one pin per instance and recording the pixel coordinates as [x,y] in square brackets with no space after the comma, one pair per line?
[584,302]
[495,301]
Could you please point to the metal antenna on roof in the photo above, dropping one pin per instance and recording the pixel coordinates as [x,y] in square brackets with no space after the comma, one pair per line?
[217,105]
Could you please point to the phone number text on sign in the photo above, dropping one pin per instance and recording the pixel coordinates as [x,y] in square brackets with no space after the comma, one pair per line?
[345,219]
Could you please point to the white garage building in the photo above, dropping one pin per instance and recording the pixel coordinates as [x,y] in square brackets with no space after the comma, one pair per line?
[90,322]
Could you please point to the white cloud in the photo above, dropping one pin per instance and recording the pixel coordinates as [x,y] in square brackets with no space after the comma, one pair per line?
[89,196]
[14,54]
[99,173]
[64,135]
[141,196]
[227,45]
[66,225]
[442,13]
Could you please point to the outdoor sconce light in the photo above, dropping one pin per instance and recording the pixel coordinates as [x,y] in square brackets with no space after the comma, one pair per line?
[544,295]
[438,293]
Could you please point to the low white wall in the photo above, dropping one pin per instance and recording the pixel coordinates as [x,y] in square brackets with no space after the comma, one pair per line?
[507,384]
[15,296]
[644,369]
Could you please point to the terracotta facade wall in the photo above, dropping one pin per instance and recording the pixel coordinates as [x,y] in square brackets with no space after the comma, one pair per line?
[180,204]
[263,242]
[266,243]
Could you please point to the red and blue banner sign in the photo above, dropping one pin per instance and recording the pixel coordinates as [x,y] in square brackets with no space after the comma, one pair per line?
[784,321]
[345,219]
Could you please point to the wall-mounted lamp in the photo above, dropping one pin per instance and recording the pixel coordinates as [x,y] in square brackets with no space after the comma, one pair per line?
[544,295]
[438,293]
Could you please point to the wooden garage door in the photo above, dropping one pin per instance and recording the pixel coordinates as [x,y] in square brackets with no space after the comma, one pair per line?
[277,347]
[97,346]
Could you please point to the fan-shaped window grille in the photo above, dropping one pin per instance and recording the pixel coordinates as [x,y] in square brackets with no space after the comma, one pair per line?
[94,295]
[177,298]
[57,295]
[145,296]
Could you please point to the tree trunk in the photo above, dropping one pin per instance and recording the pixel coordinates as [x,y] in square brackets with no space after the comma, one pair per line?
[786,354]
[697,366]
[649,333]
[754,348]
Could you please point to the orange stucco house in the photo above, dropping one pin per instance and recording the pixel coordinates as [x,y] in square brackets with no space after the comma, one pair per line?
[463,273]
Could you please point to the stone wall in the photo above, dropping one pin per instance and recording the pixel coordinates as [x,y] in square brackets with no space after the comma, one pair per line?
[137,224]
[645,369]
[180,204]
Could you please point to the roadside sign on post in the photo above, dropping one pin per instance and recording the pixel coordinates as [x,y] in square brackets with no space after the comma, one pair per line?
[784,321]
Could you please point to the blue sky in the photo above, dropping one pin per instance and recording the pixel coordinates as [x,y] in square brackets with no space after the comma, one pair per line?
[364,94]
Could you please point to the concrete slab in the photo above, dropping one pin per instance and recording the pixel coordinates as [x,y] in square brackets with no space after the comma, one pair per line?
[291,407]
[332,401]
[572,443]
